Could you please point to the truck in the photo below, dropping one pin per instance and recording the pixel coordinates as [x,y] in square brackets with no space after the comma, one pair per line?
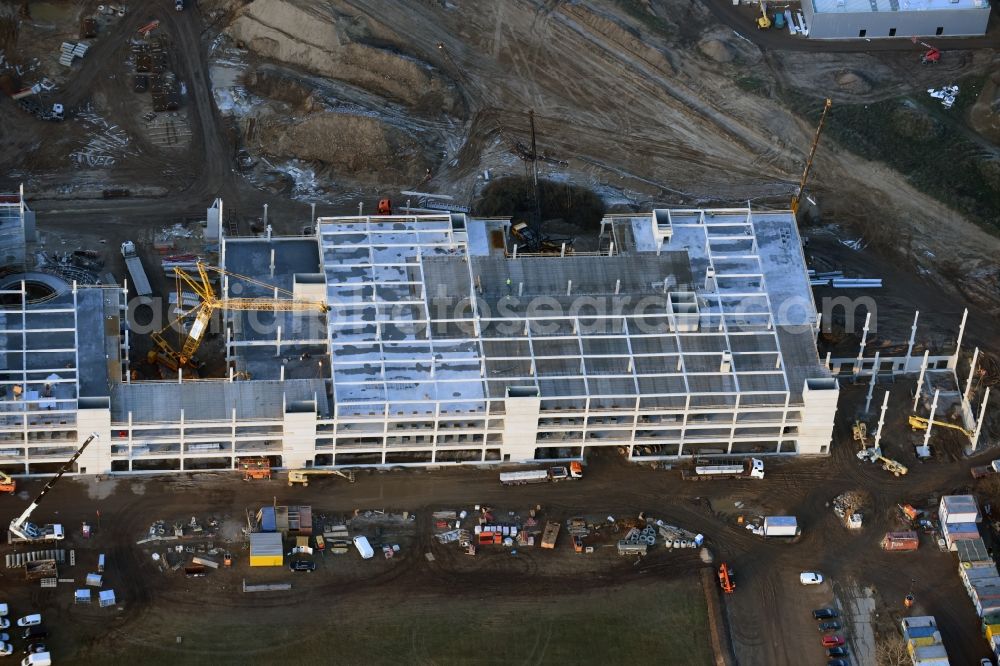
[135,269]
[986,470]
[553,474]
[364,548]
[900,541]
[781,526]
[751,468]
[550,534]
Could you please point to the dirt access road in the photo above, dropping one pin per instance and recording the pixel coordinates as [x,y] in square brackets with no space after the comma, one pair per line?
[767,617]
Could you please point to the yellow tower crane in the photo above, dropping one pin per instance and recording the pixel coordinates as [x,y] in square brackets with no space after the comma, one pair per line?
[210,302]
[809,162]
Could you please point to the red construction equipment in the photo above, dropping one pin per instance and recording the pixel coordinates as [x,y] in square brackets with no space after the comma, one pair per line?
[726,581]
[930,57]
[256,468]
[148,28]
[384,207]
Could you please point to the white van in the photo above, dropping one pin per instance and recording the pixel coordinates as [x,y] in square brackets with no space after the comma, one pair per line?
[365,548]
[37,659]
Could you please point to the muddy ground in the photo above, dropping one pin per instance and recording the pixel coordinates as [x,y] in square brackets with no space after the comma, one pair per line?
[535,605]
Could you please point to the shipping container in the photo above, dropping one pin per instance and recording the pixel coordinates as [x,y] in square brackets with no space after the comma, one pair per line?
[266,549]
[972,552]
[784,526]
[959,509]
[900,541]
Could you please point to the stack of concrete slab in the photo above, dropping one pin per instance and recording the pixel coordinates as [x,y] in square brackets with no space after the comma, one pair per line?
[923,641]
[69,51]
[959,517]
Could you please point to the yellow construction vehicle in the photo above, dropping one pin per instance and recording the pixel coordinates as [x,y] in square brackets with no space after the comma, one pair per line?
[874,454]
[920,423]
[210,302]
[7,483]
[812,153]
[763,22]
[302,475]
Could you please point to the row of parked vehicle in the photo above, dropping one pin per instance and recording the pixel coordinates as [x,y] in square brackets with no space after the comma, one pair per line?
[834,643]
[36,653]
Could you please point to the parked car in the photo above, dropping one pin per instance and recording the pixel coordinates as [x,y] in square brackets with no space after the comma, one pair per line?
[837,662]
[825,613]
[832,625]
[4,610]
[6,649]
[837,652]
[30,620]
[833,641]
[810,578]
[985,662]
[301,565]
[4,638]
[35,647]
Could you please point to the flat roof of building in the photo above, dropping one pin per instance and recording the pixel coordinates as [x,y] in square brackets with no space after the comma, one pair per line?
[873,6]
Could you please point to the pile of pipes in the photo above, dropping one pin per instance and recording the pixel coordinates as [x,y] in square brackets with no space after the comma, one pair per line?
[71,51]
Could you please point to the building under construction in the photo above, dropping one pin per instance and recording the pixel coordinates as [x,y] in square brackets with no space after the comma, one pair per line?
[687,333]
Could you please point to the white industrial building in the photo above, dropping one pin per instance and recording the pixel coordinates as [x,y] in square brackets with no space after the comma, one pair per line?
[688,333]
[874,19]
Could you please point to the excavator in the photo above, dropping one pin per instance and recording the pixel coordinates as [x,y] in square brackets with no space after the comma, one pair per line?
[23,530]
[920,423]
[931,56]
[302,475]
[874,454]
[7,483]
[210,302]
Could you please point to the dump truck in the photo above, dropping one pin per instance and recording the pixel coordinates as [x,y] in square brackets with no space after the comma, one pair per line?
[134,264]
[986,470]
[900,541]
[550,535]
[553,474]
[751,468]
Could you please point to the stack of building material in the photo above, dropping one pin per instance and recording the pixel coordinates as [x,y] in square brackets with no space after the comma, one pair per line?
[959,515]
[923,641]
[70,51]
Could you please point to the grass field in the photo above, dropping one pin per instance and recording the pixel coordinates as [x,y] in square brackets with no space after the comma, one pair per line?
[662,622]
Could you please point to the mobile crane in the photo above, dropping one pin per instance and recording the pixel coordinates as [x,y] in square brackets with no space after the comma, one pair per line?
[874,454]
[920,423]
[302,475]
[23,530]
[210,302]
[7,483]
[809,162]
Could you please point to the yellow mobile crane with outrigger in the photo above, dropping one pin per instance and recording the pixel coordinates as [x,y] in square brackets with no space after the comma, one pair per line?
[809,161]
[210,302]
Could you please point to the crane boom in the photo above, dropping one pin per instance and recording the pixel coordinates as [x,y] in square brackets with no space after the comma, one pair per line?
[809,162]
[210,302]
[20,525]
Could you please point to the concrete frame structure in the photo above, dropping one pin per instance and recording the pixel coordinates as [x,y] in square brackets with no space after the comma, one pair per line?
[874,19]
[432,354]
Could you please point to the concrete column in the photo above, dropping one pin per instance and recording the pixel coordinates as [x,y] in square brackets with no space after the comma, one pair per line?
[972,374]
[881,419]
[953,361]
[979,421]
[871,384]
[913,337]
[920,380]
[930,420]
[861,348]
